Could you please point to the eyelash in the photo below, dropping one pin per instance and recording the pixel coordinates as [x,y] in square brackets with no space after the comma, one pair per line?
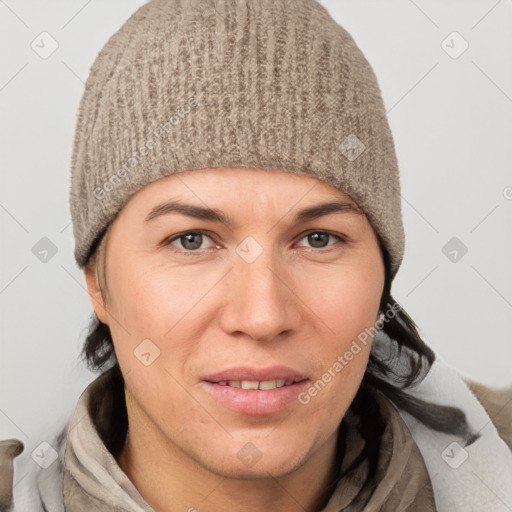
[168,241]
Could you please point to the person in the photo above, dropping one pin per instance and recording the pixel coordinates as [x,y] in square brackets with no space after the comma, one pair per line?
[235,200]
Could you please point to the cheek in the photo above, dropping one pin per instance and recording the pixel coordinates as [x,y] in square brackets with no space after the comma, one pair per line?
[346,314]
[149,303]
[161,306]
[339,377]
[348,302]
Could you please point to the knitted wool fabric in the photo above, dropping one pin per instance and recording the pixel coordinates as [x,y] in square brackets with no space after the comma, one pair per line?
[266,84]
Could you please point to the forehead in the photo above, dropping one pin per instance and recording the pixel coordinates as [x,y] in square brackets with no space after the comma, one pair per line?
[256,187]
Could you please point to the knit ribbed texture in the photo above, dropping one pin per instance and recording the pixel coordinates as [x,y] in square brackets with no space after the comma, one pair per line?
[266,84]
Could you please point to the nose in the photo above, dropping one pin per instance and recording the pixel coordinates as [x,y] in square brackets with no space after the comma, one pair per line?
[260,300]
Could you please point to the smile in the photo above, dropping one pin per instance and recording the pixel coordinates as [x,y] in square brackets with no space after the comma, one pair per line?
[255,384]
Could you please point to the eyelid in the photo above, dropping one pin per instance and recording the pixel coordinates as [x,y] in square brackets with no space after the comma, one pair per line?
[328,231]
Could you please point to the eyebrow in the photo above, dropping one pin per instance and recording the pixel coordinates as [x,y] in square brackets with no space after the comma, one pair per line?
[214,215]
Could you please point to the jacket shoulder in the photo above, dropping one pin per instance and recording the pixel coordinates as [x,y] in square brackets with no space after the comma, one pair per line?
[498,404]
[9,449]
[39,486]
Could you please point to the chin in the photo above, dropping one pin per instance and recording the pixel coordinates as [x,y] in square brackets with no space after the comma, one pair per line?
[257,472]
[251,464]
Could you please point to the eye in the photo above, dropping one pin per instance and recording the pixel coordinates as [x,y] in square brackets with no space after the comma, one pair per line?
[189,241]
[319,239]
[192,241]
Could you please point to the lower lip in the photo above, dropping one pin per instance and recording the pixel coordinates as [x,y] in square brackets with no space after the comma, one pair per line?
[256,402]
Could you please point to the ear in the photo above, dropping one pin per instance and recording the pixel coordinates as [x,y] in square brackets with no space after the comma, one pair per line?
[93,288]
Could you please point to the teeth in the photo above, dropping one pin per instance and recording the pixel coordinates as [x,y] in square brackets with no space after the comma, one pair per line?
[268,384]
[254,384]
[249,384]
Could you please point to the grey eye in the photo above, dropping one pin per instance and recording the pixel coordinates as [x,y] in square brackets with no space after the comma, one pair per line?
[318,239]
[191,241]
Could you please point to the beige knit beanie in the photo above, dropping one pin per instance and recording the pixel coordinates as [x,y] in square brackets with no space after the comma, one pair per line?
[269,84]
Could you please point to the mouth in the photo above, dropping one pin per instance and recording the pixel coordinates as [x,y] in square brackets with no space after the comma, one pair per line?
[256,392]
[273,376]
[255,384]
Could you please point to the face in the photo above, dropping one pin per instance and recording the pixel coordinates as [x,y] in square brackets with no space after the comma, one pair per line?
[201,308]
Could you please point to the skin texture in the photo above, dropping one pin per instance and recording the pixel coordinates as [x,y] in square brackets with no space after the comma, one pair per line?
[300,303]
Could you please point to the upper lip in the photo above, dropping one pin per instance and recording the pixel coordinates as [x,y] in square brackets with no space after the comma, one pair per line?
[240,373]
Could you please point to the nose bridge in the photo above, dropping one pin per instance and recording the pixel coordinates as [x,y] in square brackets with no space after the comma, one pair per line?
[260,303]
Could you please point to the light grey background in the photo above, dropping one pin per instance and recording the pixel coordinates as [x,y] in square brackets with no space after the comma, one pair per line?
[452,123]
